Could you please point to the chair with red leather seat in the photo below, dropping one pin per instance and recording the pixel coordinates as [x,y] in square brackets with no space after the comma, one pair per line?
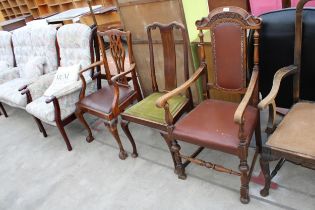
[216,124]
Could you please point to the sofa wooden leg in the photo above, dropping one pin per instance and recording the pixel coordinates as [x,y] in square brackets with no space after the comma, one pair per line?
[64,135]
[79,115]
[125,127]
[40,126]
[3,110]
[180,169]
[112,127]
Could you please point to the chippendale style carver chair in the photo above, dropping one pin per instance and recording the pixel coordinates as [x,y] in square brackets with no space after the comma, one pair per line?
[221,125]
[110,100]
[293,139]
[145,112]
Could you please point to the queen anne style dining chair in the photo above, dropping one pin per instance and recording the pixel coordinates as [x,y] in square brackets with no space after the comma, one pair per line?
[293,139]
[111,99]
[145,112]
[76,46]
[220,125]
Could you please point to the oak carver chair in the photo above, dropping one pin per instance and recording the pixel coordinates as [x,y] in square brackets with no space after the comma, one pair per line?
[76,44]
[145,112]
[293,139]
[109,101]
[215,124]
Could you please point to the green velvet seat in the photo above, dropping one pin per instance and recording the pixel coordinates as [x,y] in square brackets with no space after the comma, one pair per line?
[147,110]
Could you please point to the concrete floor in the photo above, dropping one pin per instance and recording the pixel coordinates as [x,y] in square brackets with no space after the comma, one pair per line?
[39,173]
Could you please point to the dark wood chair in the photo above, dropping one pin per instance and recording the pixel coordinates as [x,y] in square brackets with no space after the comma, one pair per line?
[145,112]
[293,139]
[215,124]
[109,101]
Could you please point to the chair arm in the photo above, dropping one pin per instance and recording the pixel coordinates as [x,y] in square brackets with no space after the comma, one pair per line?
[161,102]
[279,75]
[239,113]
[116,77]
[115,104]
[98,63]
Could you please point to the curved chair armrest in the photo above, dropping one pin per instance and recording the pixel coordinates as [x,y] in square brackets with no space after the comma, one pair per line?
[116,77]
[279,75]
[162,101]
[115,104]
[239,113]
[98,63]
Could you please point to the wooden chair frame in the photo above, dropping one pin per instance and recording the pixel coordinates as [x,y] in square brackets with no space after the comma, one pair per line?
[167,39]
[111,119]
[270,153]
[59,122]
[251,97]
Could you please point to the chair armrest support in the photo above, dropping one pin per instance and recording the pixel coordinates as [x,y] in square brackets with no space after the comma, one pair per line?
[239,113]
[279,75]
[116,84]
[98,63]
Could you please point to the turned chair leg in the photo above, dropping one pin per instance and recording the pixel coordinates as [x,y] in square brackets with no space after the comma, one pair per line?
[79,115]
[244,191]
[125,127]
[112,127]
[40,126]
[258,137]
[264,164]
[180,169]
[3,110]
[64,135]
[169,144]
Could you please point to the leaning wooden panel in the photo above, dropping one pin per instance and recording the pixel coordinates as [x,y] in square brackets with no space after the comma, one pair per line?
[137,16]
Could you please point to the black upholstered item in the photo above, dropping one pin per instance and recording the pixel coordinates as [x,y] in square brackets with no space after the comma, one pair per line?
[277,50]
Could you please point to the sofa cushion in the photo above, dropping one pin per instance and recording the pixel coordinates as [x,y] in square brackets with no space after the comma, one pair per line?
[6,51]
[9,92]
[33,69]
[74,45]
[65,76]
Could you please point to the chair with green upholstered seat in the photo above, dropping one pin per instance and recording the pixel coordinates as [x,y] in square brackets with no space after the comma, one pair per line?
[146,112]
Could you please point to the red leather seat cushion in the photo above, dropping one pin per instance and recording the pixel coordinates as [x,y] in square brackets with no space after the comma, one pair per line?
[102,99]
[211,125]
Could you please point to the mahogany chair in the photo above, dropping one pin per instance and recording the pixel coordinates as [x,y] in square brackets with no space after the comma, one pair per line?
[293,139]
[109,101]
[215,124]
[145,112]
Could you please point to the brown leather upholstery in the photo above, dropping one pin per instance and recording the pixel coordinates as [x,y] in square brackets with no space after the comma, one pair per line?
[228,55]
[211,125]
[101,101]
[295,133]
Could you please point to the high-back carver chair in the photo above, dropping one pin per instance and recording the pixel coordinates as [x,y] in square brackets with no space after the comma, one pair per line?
[145,112]
[114,97]
[75,43]
[293,139]
[7,62]
[220,125]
